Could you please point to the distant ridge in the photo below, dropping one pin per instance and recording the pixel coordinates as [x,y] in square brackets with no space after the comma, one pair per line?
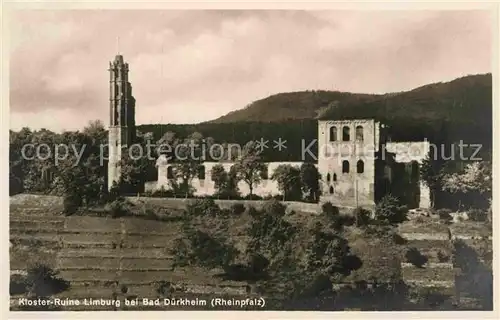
[464,99]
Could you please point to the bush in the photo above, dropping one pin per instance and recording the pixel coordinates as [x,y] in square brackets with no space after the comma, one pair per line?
[390,210]
[399,240]
[200,248]
[348,220]
[337,223]
[478,215]
[237,208]
[443,257]
[254,213]
[71,203]
[114,192]
[17,284]
[202,207]
[117,209]
[329,209]
[274,207]
[414,257]
[362,216]
[320,284]
[419,220]
[164,288]
[329,253]
[445,215]
[258,263]
[42,281]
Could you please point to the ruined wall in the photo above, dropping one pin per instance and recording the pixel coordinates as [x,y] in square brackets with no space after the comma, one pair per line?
[348,189]
[408,152]
[266,187]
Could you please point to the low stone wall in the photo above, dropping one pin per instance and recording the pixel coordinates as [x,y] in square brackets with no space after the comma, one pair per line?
[226,204]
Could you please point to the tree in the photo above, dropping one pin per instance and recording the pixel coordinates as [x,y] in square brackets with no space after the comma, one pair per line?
[289,183]
[476,178]
[187,160]
[309,177]
[390,210]
[330,254]
[248,166]
[226,183]
[472,185]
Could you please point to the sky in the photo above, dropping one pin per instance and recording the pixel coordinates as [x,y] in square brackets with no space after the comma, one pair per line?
[197,65]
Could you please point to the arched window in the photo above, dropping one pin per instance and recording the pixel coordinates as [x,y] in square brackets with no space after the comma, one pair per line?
[334,177]
[333,133]
[331,190]
[201,172]
[360,166]
[346,133]
[345,166]
[359,133]
[328,177]
[170,173]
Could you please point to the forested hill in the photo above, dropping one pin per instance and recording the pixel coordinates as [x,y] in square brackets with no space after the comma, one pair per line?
[464,99]
[461,108]
[291,106]
[440,112]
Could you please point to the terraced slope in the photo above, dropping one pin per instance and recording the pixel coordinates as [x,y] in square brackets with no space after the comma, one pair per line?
[129,258]
[104,257]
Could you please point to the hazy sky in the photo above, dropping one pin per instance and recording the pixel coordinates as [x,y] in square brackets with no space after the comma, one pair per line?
[192,66]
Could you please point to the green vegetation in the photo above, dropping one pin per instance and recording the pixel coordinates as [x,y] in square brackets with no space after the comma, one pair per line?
[389,210]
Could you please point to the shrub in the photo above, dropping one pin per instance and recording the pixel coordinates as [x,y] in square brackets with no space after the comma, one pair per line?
[478,215]
[320,284]
[274,207]
[329,253]
[123,289]
[117,209]
[414,257]
[164,288]
[445,214]
[254,213]
[399,240]
[71,203]
[17,284]
[348,220]
[269,234]
[237,208]
[443,257]
[200,248]
[201,207]
[114,192]
[390,210]
[42,281]
[329,209]
[362,216]
[151,215]
[419,220]
[258,263]
[337,223]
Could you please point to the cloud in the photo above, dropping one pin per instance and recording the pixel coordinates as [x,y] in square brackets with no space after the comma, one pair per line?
[191,66]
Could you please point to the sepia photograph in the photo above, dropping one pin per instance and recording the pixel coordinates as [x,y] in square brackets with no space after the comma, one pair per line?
[250,160]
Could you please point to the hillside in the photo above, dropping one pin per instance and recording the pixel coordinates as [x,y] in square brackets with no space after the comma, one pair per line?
[459,108]
[128,257]
[467,98]
[292,106]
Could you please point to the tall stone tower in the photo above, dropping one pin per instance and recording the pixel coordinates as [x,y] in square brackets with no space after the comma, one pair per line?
[121,118]
[348,157]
